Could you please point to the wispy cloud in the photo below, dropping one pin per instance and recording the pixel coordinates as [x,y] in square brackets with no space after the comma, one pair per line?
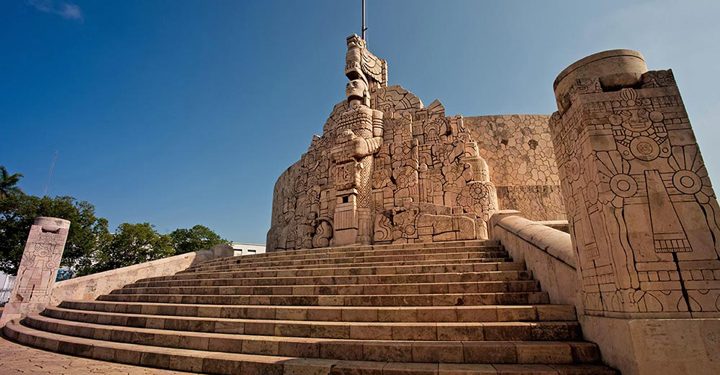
[66,10]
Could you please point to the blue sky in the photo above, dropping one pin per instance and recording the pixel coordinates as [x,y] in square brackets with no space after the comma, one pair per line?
[185,112]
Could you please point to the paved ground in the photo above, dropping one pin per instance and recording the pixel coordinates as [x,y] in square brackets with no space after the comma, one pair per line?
[19,359]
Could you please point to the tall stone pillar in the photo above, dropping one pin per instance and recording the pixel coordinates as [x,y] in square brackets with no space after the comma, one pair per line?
[38,268]
[643,215]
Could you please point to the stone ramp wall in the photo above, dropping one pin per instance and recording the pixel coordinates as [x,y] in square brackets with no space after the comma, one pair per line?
[91,286]
[633,346]
[546,251]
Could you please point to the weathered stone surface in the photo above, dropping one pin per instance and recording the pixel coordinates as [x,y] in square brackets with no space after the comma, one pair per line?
[643,215]
[19,359]
[387,169]
[38,268]
[518,150]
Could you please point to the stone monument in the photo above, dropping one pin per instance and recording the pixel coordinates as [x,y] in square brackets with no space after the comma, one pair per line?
[38,268]
[389,170]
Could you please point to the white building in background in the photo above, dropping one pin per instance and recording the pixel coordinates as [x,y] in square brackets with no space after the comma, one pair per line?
[6,285]
[247,248]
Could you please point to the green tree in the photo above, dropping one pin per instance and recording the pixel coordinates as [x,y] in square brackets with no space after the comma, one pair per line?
[8,183]
[17,213]
[132,244]
[196,238]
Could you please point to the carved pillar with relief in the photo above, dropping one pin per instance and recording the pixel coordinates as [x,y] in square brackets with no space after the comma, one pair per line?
[643,215]
[38,268]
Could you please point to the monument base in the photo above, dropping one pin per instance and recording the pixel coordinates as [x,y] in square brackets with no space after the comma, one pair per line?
[656,346]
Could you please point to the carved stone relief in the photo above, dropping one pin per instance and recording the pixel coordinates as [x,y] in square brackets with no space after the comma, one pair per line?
[38,268]
[389,170]
[642,212]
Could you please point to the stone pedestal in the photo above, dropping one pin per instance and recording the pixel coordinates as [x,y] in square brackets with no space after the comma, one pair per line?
[38,268]
[656,346]
[346,218]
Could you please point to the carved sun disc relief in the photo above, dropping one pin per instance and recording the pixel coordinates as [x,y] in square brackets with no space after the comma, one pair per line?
[644,148]
[623,185]
[687,182]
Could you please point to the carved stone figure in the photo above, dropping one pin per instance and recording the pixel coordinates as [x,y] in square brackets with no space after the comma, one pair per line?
[388,170]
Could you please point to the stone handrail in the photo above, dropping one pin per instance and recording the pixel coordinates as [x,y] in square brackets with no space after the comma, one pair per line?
[91,286]
[546,251]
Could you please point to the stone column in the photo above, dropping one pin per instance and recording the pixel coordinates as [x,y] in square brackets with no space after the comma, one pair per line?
[643,215]
[38,268]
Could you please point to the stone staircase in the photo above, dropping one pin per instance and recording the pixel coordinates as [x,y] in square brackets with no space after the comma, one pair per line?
[441,308]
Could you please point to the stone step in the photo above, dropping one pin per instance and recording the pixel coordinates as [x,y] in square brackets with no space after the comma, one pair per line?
[233,363]
[458,256]
[337,313]
[280,257]
[354,265]
[385,269]
[259,258]
[68,321]
[446,277]
[368,249]
[368,349]
[347,289]
[459,299]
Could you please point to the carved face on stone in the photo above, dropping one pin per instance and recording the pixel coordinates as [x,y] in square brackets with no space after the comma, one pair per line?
[356,89]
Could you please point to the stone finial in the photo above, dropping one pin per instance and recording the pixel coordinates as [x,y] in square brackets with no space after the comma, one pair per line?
[360,63]
[38,268]
[610,70]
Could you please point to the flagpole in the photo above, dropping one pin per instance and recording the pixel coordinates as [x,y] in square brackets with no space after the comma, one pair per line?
[364,29]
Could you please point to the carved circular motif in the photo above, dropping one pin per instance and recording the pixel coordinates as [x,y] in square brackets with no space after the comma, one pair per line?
[623,185]
[592,193]
[478,192]
[644,148]
[573,169]
[656,116]
[687,182]
[615,119]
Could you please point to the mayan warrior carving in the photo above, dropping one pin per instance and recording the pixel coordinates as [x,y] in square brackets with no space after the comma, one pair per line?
[38,267]
[642,212]
[389,170]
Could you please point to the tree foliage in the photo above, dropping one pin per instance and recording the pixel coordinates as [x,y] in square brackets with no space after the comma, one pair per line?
[17,213]
[196,238]
[132,244]
[90,246]
[8,183]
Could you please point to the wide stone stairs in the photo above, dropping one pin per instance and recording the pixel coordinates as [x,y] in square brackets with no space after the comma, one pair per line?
[441,308]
